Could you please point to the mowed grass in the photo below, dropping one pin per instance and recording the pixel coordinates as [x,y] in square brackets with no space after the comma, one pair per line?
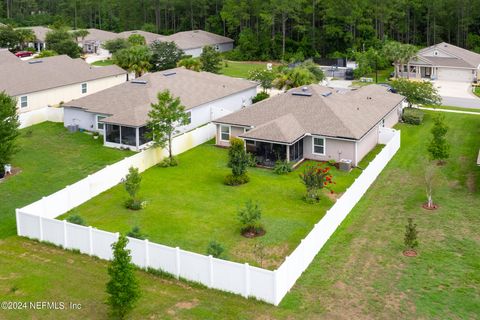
[49,159]
[359,274]
[103,63]
[241,69]
[189,206]
[476,110]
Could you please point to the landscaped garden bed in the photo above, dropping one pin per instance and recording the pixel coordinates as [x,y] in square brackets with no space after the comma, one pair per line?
[189,206]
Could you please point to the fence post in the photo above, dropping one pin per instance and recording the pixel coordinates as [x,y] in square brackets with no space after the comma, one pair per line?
[44,205]
[17,217]
[210,270]
[90,240]
[69,197]
[65,242]
[177,262]
[246,293]
[147,254]
[40,221]
[276,296]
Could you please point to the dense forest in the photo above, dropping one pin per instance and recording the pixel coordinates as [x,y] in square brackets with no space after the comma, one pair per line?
[266,29]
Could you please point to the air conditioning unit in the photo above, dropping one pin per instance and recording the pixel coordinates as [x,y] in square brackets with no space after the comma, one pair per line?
[345,165]
[72,127]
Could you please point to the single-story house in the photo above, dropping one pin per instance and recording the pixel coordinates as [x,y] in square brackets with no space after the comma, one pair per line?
[40,35]
[149,36]
[192,42]
[40,83]
[120,113]
[443,61]
[92,43]
[313,122]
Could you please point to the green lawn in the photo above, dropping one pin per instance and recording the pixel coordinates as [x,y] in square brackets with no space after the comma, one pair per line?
[241,69]
[383,77]
[453,108]
[476,91]
[189,206]
[103,63]
[359,274]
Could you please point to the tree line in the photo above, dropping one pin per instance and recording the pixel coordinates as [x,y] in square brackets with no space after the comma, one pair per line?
[270,29]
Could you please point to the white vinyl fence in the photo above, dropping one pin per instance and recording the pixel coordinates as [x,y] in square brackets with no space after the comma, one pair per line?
[37,221]
[30,118]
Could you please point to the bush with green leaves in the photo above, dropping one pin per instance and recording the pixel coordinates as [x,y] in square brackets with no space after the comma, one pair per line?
[438,146]
[136,233]
[166,55]
[76,219]
[9,124]
[132,186]
[260,96]
[263,77]
[412,116]
[282,167]
[61,41]
[250,217]
[238,160]
[190,64]
[410,239]
[215,249]
[211,60]
[315,178]
[168,162]
[417,92]
[252,160]
[115,45]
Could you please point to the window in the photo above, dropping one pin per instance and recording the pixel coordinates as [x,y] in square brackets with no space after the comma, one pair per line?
[23,101]
[382,124]
[252,142]
[84,88]
[319,146]
[435,53]
[189,117]
[225,133]
[100,124]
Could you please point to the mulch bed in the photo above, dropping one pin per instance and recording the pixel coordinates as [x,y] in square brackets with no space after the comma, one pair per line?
[410,253]
[426,207]
[15,171]
[253,233]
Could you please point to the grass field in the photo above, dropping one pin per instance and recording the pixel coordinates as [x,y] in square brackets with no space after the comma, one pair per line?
[476,91]
[103,63]
[359,274]
[189,206]
[241,69]
[453,108]
[383,77]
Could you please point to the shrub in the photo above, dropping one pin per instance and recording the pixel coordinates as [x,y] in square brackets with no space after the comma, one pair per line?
[231,180]
[411,233]
[260,96]
[315,178]
[136,233]
[250,216]
[133,204]
[282,167]
[412,116]
[215,249]
[168,162]
[76,219]
[439,147]
[252,160]
[132,185]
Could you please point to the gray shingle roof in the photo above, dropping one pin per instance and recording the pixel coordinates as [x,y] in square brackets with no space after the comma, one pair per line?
[129,103]
[39,31]
[35,75]
[149,36]
[196,39]
[99,35]
[464,58]
[327,112]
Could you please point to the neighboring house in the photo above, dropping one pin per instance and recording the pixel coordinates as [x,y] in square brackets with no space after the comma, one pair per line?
[40,34]
[92,43]
[443,61]
[313,122]
[121,113]
[40,83]
[192,42]
[149,36]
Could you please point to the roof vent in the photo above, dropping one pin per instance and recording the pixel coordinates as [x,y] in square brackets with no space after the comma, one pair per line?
[302,93]
[167,74]
[35,61]
[326,94]
[139,81]
[305,89]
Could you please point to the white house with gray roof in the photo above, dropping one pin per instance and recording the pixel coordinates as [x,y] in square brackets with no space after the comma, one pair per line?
[120,113]
[443,61]
[40,35]
[193,42]
[313,122]
[40,83]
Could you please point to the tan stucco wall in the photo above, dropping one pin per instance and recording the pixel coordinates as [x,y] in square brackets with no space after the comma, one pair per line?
[391,119]
[54,96]
[234,132]
[332,147]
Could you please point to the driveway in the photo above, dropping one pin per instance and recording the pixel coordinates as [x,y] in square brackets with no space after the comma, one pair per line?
[458,94]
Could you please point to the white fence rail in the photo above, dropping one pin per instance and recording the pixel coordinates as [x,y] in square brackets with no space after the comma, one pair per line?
[30,118]
[37,221]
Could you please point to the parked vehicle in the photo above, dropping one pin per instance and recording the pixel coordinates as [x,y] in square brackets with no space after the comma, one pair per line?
[24,54]
[349,74]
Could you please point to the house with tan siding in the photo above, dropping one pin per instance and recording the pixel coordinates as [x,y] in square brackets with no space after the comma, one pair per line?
[313,122]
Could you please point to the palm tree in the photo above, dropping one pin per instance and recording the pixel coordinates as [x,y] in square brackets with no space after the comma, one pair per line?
[392,52]
[25,36]
[134,59]
[408,52]
[82,33]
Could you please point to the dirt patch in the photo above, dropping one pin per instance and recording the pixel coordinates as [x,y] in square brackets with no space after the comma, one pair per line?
[274,255]
[187,305]
[334,196]
[253,232]
[410,253]
[15,171]
[433,207]
[471,183]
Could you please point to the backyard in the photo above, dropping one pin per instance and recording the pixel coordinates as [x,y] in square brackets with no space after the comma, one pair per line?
[359,274]
[241,69]
[103,63]
[189,206]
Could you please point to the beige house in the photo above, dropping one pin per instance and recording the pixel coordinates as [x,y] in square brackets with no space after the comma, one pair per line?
[443,61]
[313,122]
[193,42]
[40,35]
[149,36]
[39,83]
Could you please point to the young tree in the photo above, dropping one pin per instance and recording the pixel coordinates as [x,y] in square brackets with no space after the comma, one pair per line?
[8,37]
[190,64]
[410,239]
[115,45]
[263,77]
[429,176]
[9,124]
[438,147]
[211,60]
[250,217]
[132,186]
[400,54]
[215,249]
[136,233]
[76,219]
[165,117]
[61,41]
[417,92]
[46,54]
[238,160]
[136,40]
[123,287]
[165,55]
[81,33]
[315,178]
[134,59]
[25,36]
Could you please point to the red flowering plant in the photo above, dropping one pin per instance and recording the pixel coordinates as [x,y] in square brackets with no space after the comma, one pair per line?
[315,178]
